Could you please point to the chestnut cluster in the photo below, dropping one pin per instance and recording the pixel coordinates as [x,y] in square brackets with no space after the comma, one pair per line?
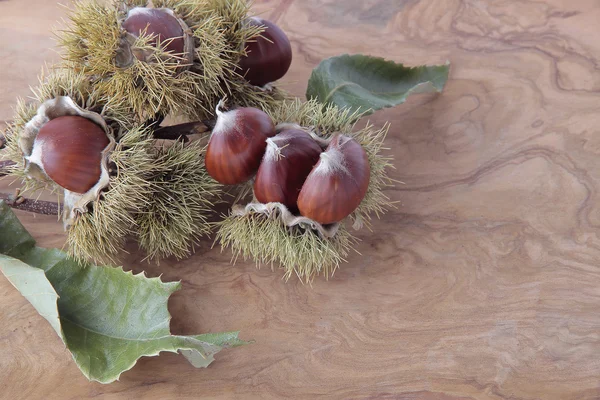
[129,64]
[179,57]
[268,56]
[325,183]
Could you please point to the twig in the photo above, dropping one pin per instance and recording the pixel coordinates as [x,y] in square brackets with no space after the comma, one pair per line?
[155,122]
[21,203]
[181,131]
[210,123]
[36,206]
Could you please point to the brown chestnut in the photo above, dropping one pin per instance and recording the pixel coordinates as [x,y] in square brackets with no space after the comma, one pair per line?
[69,149]
[237,144]
[337,183]
[269,55]
[288,159]
[160,23]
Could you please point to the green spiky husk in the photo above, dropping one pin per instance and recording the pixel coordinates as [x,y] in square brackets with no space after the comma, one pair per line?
[160,196]
[182,198]
[100,234]
[92,39]
[139,201]
[298,251]
[301,251]
[23,113]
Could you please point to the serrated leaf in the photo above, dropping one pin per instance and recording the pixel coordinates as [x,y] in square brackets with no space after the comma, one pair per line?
[108,318]
[365,84]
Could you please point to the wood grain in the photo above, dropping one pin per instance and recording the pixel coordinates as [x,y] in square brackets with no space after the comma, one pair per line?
[483,284]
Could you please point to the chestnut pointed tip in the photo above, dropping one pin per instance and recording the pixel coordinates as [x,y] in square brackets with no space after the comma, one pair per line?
[237,144]
[338,182]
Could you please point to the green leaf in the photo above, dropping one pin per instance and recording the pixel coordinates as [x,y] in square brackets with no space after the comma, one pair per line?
[13,236]
[34,286]
[108,318]
[366,84]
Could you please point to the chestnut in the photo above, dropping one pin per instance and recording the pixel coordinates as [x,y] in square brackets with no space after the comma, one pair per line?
[288,159]
[269,55]
[69,149]
[237,144]
[160,23]
[337,183]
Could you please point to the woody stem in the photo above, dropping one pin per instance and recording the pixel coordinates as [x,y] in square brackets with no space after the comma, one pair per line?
[181,131]
[35,206]
[21,203]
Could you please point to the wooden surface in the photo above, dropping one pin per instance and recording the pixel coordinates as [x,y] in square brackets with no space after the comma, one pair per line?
[484,284]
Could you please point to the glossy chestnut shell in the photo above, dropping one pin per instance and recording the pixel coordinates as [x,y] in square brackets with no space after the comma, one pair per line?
[159,23]
[269,55]
[71,152]
[237,144]
[337,183]
[288,159]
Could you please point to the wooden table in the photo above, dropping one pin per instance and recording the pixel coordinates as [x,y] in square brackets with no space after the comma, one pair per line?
[483,284]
